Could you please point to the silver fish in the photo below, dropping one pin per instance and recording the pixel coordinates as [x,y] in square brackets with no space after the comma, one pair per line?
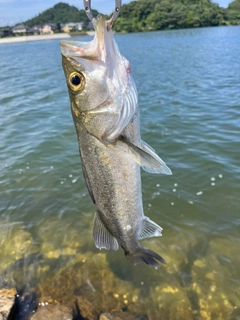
[104,107]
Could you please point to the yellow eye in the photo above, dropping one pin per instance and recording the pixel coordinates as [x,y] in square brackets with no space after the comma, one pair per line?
[76,81]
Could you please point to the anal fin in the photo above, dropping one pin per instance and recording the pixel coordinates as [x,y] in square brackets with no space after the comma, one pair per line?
[149,229]
[102,237]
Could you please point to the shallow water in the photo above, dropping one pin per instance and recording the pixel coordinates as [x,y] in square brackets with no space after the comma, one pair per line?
[189,96]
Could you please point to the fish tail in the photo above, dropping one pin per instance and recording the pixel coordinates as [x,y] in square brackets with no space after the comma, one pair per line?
[143,255]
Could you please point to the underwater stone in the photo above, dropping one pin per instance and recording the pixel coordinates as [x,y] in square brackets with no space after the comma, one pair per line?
[199,263]
[14,243]
[170,301]
[58,240]
[226,247]
[122,316]
[87,279]
[6,301]
[52,312]
[214,298]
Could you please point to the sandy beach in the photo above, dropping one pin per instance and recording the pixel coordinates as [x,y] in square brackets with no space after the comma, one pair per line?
[35,38]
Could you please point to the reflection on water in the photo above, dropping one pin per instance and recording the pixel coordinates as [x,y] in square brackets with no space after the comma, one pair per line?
[189,95]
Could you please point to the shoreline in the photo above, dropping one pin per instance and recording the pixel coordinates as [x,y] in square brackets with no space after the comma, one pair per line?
[35,38]
[62,35]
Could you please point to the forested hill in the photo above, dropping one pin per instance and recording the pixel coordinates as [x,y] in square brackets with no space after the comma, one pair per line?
[146,15]
[233,12]
[61,12]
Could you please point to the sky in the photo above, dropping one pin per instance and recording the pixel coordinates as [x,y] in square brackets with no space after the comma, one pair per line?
[15,11]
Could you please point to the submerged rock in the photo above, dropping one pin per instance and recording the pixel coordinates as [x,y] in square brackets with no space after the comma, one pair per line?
[24,306]
[199,281]
[6,301]
[65,242]
[122,316]
[15,242]
[52,312]
[87,279]
[77,314]
[170,301]
[214,296]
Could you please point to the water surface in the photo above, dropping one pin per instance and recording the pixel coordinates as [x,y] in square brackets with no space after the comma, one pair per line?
[189,97]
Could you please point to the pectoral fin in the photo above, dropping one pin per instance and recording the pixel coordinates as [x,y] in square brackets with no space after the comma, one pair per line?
[147,158]
[162,167]
[149,229]
[102,237]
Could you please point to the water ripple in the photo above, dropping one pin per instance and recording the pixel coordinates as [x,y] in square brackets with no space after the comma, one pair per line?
[189,97]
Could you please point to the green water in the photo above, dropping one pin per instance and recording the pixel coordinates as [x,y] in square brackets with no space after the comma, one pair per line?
[189,96]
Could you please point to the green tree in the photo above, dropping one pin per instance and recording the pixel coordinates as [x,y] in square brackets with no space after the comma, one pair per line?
[233,12]
[145,15]
[61,12]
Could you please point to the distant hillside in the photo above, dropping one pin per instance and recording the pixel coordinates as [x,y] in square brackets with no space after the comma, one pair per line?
[61,12]
[233,12]
[146,15]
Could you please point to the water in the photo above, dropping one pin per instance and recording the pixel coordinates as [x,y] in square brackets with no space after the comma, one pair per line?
[189,95]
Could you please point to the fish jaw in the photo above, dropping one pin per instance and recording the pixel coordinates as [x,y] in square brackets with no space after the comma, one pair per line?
[102,48]
[115,93]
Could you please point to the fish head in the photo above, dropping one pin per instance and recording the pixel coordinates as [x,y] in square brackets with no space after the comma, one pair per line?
[101,88]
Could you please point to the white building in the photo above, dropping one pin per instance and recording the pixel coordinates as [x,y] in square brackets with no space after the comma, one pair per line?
[20,29]
[73,26]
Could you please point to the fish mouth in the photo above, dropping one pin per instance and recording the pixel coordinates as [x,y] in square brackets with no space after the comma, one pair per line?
[70,45]
[94,50]
[71,49]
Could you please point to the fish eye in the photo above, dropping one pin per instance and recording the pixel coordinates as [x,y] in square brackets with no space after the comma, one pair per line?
[76,81]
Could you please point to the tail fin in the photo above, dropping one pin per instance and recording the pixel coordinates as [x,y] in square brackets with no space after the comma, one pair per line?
[143,255]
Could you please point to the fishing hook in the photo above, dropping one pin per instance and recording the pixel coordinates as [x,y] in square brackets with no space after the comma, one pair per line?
[88,10]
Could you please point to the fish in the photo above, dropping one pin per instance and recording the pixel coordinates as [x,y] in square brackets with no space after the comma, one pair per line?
[24,306]
[104,107]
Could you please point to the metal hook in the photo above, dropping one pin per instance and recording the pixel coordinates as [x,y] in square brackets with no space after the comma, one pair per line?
[88,10]
[116,12]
